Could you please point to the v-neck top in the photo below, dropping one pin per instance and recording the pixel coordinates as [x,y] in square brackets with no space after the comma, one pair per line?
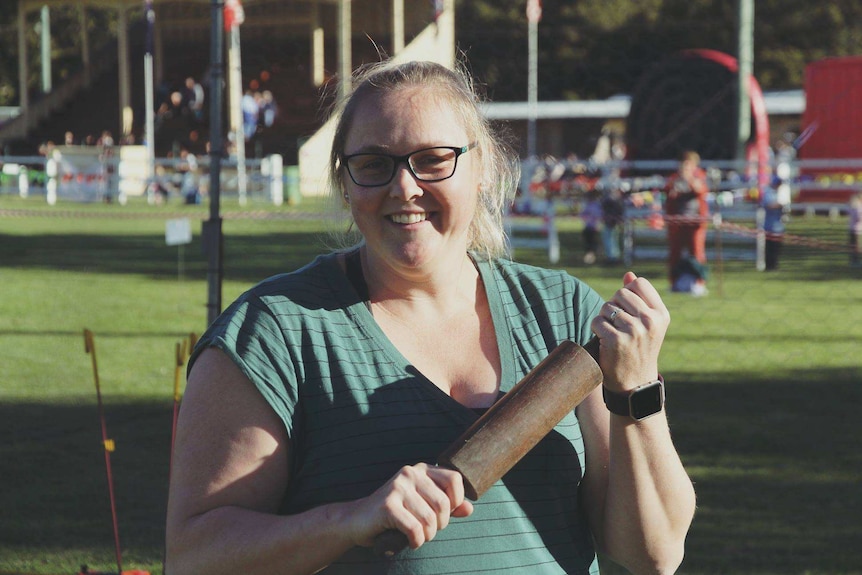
[356,411]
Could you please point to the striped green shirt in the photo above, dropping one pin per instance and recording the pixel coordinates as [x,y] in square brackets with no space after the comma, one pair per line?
[357,411]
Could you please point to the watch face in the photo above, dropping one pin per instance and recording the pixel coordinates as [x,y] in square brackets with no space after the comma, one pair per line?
[647,400]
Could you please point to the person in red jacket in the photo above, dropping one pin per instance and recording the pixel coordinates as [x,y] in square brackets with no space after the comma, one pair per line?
[687,210]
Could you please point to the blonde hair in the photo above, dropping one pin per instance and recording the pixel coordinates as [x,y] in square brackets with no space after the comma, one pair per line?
[499,165]
[690,156]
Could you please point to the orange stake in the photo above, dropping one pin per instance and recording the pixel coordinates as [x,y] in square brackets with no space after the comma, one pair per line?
[107,444]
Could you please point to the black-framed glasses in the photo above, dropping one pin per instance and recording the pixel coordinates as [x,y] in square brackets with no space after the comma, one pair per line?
[426,165]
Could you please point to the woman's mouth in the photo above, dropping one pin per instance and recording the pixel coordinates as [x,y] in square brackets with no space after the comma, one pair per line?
[411,218]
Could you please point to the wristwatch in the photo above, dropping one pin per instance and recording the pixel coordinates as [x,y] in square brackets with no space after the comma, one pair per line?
[639,403]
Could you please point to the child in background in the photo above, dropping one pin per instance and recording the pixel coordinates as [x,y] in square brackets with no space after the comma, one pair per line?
[591,214]
[855,227]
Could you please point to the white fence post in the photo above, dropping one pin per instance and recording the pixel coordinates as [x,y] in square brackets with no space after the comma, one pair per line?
[760,219]
[23,181]
[51,183]
[276,179]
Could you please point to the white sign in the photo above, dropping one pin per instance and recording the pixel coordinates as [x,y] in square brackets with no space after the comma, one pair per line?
[178,232]
[81,173]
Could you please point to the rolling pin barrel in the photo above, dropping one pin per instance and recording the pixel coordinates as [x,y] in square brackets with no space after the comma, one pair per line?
[515,424]
[522,417]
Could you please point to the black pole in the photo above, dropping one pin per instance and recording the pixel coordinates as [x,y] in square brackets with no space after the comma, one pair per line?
[212,229]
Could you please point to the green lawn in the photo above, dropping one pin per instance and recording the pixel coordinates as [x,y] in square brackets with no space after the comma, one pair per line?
[763,380]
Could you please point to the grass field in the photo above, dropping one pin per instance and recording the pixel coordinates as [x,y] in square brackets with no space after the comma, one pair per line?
[764,384]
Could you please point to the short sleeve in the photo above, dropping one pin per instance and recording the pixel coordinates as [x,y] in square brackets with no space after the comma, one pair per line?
[249,334]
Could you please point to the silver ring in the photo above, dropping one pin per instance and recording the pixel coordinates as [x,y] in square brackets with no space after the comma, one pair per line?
[614,314]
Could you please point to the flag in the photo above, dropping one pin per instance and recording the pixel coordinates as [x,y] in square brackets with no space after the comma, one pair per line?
[151,22]
[534,11]
[438,8]
[806,134]
[233,14]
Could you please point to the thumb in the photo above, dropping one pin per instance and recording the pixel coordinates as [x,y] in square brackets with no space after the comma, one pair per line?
[463,510]
[628,278]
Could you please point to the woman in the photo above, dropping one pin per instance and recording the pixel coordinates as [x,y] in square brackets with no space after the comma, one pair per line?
[318,402]
[687,210]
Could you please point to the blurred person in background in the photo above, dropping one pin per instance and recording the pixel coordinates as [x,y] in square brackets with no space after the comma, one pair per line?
[686,212]
[855,228]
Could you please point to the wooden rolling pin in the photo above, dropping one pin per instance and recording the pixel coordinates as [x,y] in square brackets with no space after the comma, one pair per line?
[515,424]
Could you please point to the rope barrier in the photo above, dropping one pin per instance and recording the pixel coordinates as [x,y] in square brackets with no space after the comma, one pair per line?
[244,215]
[748,231]
[787,238]
[731,228]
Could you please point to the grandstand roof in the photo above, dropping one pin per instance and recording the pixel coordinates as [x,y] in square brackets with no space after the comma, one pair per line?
[780,103]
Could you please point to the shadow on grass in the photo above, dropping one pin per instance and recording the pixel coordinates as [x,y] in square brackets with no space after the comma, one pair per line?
[55,495]
[776,465]
[248,258]
[777,469]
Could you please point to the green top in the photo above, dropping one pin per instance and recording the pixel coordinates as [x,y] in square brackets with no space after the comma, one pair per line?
[357,411]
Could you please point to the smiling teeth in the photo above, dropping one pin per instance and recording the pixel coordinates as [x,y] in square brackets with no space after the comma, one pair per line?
[408,218]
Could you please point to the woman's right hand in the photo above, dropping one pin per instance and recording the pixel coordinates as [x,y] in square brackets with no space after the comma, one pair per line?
[419,500]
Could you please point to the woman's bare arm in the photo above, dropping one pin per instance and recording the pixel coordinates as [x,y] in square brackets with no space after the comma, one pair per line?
[230,473]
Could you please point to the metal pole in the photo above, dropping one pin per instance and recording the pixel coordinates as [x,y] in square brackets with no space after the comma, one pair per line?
[235,87]
[745,46]
[149,99]
[532,85]
[124,70]
[45,35]
[317,50]
[85,42]
[397,26]
[212,230]
[345,51]
[23,88]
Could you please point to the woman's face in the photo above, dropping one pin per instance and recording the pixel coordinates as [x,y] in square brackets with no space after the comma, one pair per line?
[407,223]
[687,168]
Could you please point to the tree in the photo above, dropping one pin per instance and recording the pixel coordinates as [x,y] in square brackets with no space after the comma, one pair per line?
[587,48]
[598,48]
[66,46]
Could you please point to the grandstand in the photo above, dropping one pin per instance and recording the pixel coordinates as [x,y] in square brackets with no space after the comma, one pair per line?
[292,48]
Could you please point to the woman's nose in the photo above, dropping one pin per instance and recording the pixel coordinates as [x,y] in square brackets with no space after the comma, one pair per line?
[404,183]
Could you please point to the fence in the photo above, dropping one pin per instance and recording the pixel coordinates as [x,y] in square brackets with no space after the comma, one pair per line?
[530,232]
[734,233]
[736,225]
[87,174]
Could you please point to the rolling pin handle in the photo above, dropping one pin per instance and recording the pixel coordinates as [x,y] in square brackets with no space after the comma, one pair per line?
[389,543]
[592,347]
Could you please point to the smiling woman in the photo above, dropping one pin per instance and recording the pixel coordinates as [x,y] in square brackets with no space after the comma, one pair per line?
[318,402]
[459,105]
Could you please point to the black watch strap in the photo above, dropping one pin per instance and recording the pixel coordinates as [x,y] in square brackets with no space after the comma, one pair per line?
[617,403]
[639,403]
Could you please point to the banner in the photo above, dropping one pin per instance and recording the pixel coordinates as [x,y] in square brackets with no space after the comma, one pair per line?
[81,173]
[534,11]
[233,14]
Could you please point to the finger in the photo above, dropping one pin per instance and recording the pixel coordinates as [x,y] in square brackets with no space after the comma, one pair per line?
[638,290]
[451,483]
[405,506]
[465,509]
[611,312]
[430,502]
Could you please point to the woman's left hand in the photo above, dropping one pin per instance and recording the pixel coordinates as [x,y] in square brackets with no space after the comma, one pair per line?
[631,327]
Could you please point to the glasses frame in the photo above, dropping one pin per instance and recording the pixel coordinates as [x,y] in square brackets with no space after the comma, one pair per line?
[405,159]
